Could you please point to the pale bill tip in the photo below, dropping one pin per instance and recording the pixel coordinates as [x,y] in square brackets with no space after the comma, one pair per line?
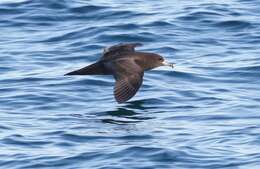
[168,64]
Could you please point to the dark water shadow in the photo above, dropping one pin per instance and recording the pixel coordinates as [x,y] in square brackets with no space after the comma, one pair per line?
[131,112]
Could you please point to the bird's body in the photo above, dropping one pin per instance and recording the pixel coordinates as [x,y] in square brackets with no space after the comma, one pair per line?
[126,65]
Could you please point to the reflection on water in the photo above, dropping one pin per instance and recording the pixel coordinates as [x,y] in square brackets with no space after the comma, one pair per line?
[131,112]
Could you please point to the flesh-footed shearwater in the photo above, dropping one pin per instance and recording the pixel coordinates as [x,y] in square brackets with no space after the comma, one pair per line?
[126,65]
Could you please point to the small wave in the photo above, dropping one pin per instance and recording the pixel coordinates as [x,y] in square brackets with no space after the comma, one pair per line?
[22,141]
[65,35]
[13,1]
[124,38]
[87,9]
[124,26]
[168,49]
[200,15]
[159,23]
[249,68]
[234,24]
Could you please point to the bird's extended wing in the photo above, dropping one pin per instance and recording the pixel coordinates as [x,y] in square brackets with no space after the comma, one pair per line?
[129,78]
[120,49]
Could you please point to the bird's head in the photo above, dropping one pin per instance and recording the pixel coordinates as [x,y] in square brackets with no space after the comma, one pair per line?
[156,60]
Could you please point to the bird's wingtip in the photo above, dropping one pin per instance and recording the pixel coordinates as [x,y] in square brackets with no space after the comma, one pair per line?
[71,73]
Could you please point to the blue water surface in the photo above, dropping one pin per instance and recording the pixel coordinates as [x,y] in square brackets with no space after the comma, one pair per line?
[205,113]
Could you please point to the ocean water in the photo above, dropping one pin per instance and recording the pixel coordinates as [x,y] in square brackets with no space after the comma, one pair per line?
[204,113]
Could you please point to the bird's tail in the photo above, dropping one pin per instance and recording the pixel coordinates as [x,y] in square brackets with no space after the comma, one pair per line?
[93,69]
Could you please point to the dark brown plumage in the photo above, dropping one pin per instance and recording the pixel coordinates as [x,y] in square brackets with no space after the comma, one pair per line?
[126,65]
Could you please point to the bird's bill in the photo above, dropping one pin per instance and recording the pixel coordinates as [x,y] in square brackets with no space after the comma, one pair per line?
[168,64]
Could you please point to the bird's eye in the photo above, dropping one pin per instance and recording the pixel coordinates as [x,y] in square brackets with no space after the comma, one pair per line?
[160,59]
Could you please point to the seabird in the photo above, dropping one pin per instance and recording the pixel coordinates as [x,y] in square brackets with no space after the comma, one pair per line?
[126,65]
